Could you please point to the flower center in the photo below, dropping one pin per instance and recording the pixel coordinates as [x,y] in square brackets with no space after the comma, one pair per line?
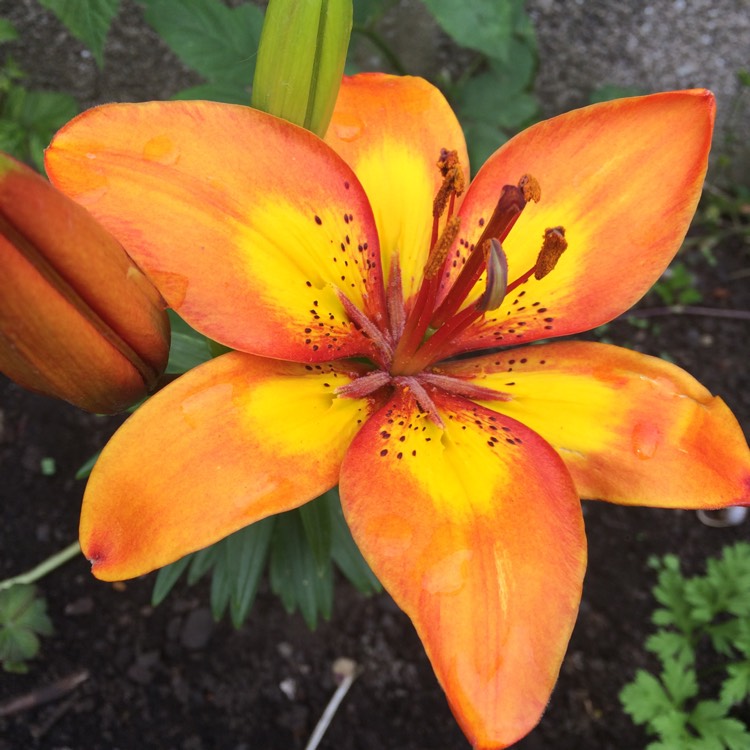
[425,334]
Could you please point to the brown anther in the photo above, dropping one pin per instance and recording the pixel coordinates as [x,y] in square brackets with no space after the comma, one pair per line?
[553,247]
[453,180]
[532,190]
[448,160]
[442,246]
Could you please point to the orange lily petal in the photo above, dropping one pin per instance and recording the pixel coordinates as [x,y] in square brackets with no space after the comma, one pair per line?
[247,224]
[78,320]
[390,130]
[623,178]
[632,429]
[476,532]
[232,441]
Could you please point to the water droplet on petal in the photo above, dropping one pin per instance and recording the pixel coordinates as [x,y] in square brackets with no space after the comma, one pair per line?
[645,440]
[173,286]
[392,534]
[347,126]
[448,576]
[90,197]
[161,149]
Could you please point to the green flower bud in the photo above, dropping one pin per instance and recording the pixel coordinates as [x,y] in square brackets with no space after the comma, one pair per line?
[301,60]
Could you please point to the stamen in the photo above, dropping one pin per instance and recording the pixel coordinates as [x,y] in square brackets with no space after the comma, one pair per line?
[395,299]
[442,246]
[422,398]
[464,388]
[553,247]
[367,327]
[365,385]
[453,181]
[532,190]
[497,278]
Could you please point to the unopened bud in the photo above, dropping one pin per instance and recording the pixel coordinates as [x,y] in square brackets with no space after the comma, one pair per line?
[78,319]
[301,60]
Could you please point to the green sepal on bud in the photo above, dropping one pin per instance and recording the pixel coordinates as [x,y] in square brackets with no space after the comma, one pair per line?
[301,60]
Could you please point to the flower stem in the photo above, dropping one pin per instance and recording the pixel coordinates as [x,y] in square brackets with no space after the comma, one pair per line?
[41,570]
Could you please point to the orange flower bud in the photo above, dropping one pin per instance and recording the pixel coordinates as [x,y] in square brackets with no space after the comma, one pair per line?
[78,319]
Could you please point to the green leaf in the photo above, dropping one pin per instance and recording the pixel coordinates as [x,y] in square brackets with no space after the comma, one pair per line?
[293,572]
[221,581]
[717,730]
[85,469]
[221,591]
[28,119]
[645,698]
[187,348]
[726,636]
[201,562]
[668,644]
[482,140]
[17,645]
[497,103]
[736,687]
[247,553]
[23,617]
[87,20]
[483,25]
[316,521]
[166,578]
[366,12]
[218,42]
[8,31]
[43,113]
[678,677]
[345,552]
[186,352]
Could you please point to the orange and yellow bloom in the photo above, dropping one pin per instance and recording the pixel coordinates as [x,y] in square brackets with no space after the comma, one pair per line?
[348,274]
[78,319]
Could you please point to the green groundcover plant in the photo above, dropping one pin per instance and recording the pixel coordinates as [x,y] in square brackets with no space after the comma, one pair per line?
[702,642]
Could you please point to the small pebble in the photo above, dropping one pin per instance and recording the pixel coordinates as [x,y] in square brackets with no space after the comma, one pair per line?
[289,688]
[82,606]
[197,629]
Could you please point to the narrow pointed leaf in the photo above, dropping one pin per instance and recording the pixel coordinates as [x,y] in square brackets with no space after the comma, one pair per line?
[166,579]
[248,553]
[316,521]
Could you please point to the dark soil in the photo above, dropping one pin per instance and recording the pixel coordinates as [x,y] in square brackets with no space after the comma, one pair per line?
[170,678]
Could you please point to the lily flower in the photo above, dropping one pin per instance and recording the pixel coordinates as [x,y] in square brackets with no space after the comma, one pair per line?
[349,275]
[78,320]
